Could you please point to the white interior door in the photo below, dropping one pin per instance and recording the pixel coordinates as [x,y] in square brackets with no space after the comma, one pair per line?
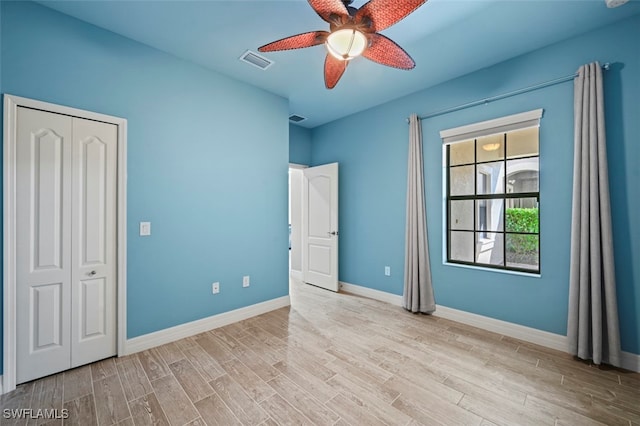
[93,258]
[43,243]
[320,226]
[65,238]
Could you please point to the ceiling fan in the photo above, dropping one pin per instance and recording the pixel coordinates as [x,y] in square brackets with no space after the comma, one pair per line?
[353,32]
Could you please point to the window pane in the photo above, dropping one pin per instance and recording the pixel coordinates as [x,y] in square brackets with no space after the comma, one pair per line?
[462,214]
[490,248]
[489,214]
[522,175]
[461,153]
[522,215]
[522,143]
[486,226]
[461,246]
[522,251]
[461,180]
[491,178]
[490,148]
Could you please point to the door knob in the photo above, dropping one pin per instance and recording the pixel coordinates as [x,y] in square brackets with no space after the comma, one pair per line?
[333,233]
[92,273]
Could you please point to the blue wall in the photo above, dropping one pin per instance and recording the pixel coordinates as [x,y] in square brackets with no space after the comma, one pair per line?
[371,148]
[195,170]
[299,145]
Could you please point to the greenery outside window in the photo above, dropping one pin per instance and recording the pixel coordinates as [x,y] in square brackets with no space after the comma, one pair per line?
[492,196]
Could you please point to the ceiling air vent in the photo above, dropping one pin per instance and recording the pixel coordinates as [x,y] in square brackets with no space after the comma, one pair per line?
[256,60]
[296,118]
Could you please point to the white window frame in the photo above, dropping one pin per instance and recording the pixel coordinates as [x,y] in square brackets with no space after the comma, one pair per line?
[499,125]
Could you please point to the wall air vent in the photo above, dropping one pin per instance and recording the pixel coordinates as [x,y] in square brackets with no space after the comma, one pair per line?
[294,118]
[256,60]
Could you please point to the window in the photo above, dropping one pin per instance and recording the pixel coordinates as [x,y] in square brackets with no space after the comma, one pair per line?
[492,193]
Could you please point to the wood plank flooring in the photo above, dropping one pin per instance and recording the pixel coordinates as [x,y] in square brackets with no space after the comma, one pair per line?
[337,359]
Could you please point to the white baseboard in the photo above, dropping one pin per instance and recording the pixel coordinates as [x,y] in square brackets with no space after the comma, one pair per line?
[629,360]
[181,331]
[517,331]
[382,296]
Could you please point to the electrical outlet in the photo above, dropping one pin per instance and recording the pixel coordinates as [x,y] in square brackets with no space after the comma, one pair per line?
[215,288]
[246,281]
[387,271]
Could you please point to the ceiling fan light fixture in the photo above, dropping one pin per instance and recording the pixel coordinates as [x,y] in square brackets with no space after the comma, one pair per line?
[346,43]
[353,32]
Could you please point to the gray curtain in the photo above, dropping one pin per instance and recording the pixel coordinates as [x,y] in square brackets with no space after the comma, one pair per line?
[418,291]
[593,331]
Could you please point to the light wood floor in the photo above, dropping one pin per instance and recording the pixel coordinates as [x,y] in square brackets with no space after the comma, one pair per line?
[336,360]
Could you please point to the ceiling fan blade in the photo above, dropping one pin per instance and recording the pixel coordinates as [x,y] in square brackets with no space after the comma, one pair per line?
[326,8]
[386,52]
[333,70]
[299,41]
[385,13]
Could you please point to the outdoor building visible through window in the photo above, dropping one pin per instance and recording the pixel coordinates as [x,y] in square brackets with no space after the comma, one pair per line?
[493,212]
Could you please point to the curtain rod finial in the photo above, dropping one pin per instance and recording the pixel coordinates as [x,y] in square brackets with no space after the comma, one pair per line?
[606,66]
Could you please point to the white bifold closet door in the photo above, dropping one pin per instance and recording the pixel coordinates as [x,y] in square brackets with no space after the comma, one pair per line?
[66,242]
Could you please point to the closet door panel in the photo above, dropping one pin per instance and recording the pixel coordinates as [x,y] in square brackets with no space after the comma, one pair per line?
[94,241]
[43,240]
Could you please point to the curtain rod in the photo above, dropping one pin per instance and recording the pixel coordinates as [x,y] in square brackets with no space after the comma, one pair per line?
[542,85]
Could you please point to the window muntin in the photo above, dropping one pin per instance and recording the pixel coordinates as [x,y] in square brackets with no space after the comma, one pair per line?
[493,201]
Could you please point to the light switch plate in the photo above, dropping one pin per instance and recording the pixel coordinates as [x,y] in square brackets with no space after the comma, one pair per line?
[215,288]
[387,271]
[246,281]
[145,229]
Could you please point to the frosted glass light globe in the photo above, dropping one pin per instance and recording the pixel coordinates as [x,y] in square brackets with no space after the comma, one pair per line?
[346,44]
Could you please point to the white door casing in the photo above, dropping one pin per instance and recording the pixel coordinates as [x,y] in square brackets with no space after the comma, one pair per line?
[320,226]
[47,193]
[295,214]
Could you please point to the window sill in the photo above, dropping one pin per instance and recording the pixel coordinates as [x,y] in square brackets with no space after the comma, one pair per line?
[499,271]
